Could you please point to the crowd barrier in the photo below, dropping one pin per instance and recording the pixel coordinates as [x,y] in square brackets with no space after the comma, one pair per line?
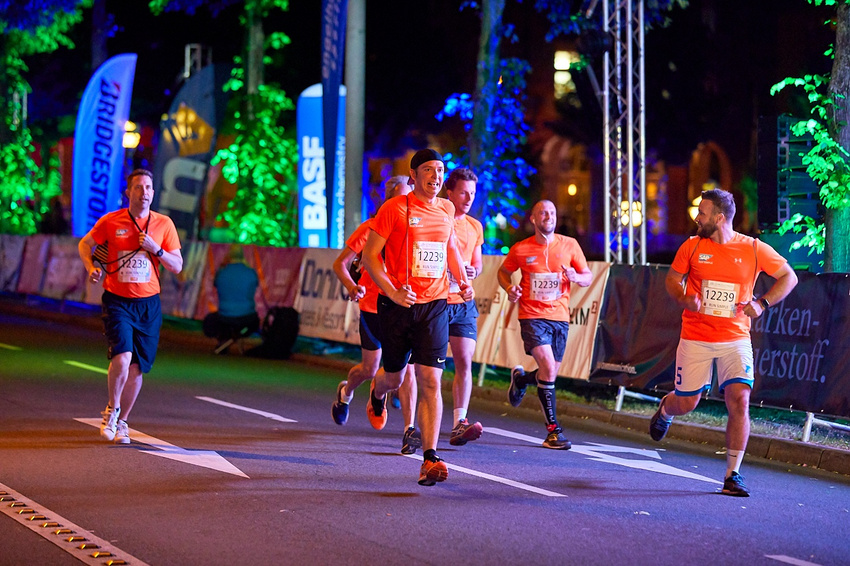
[624,329]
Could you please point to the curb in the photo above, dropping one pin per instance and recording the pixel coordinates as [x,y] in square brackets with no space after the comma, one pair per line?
[777,449]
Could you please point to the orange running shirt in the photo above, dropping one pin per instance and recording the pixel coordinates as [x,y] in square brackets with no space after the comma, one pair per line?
[542,264]
[415,253]
[135,275]
[723,275]
[468,234]
[369,302]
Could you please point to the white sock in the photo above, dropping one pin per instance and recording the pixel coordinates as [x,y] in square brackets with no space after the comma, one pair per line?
[410,425]
[733,461]
[346,398]
[460,414]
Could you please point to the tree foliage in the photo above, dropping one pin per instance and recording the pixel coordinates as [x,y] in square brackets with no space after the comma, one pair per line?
[30,28]
[262,160]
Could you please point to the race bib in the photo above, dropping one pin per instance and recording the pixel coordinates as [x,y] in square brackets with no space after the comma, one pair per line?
[429,259]
[545,286]
[136,270]
[719,298]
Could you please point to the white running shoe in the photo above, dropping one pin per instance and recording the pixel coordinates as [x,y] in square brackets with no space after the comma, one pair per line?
[109,424]
[122,434]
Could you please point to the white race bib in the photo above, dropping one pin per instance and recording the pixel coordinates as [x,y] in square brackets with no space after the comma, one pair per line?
[429,259]
[719,298]
[545,286]
[136,270]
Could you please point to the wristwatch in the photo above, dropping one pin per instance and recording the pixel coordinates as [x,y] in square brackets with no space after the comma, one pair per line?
[764,303]
[162,251]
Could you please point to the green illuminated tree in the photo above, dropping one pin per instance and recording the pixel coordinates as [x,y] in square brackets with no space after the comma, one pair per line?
[26,188]
[827,162]
[262,160]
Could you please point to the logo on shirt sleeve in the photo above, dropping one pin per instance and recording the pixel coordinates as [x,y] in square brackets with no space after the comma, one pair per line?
[705,258]
[120,232]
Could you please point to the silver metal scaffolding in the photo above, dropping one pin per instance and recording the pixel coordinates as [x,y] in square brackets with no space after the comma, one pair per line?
[623,123]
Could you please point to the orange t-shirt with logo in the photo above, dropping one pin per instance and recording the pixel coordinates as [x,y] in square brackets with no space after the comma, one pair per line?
[545,290]
[723,275]
[369,302]
[469,234]
[416,250]
[130,273]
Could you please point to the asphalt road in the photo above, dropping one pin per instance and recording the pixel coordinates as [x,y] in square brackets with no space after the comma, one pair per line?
[237,461]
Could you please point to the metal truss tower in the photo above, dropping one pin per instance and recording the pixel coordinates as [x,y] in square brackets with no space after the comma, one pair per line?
[623,122]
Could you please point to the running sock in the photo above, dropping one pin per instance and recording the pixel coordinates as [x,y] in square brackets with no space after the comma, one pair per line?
[530,378]
[431,455]
[345,398]
[733,461]
[459,414]
[664,415]
[377,404]
[546,394]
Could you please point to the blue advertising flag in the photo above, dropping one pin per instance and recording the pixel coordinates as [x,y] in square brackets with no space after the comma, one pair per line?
[316,225]
[186,147]
[334,15]
[98,142]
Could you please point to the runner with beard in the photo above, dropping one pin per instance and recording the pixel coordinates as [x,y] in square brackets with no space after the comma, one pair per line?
[712,278]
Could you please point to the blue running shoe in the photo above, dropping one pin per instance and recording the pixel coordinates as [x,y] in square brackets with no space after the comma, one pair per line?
[339,410]
[517,389]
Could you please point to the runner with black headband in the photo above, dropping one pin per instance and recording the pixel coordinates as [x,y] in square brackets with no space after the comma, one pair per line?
[417,233]
[137,242]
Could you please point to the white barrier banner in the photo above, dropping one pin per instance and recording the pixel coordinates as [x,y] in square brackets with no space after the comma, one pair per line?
[322,303]
[180,292]
[64,274]
[500,340]
[11,260]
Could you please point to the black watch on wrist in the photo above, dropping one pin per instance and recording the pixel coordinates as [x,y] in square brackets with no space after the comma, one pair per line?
[764,303]
[162,251]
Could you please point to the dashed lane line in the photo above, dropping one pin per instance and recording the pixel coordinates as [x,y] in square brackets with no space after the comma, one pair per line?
[73,539]
[81,365]
[271,416]
[789,560]
[9,347]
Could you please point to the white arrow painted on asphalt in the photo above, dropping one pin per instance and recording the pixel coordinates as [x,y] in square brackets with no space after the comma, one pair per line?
[598,453]
[204,458]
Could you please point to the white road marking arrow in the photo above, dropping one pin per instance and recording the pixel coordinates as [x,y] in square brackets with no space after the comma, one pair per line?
[597,452]
[204,458]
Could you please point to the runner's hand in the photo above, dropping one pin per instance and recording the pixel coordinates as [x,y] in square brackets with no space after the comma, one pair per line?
[471,272]
[467,293]
[95,274]
[514,293]
[359,293]
[691,302]
[403,296]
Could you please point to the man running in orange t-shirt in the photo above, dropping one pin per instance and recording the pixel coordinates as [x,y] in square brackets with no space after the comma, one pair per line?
[721,267]
[138,241]
[416,232]
[548,263]
[365,292]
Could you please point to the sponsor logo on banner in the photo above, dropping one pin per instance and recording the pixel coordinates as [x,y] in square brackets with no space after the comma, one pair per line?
[98,142]
[322,303]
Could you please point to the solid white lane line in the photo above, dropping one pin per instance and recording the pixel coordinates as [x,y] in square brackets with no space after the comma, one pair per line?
[497,479]
[87,366]
[76,541]
[9,347]
[789,560]
[271,416]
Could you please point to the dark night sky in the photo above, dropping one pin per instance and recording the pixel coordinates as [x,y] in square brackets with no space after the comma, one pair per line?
[716,62]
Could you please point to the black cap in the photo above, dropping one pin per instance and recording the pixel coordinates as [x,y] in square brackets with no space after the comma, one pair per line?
[423,156]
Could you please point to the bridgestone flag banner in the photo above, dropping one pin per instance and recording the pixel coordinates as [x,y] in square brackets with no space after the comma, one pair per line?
[98,142]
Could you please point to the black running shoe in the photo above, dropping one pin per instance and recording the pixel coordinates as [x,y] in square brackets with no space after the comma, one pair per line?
[658,425]
[411,441]
[339,410]
[734,486]
[556,440]
[516,391]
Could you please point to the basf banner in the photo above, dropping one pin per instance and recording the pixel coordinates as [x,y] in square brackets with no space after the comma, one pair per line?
[321,220]
[98,142]
[186,147]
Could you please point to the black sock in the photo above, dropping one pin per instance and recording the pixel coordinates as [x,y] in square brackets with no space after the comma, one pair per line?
[530,378]
[431,455]
[546,393]
[377,404]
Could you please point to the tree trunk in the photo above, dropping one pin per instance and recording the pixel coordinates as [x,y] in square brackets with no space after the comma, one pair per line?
[488,76]
[99,54]
[837,221]
[254,63]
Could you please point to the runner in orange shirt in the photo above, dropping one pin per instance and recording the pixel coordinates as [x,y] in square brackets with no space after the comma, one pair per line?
[416,232]
[548,263]
[721,267]
[365,292]
[138,241]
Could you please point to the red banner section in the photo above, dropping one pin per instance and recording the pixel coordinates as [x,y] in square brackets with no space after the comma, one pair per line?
[801,346]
